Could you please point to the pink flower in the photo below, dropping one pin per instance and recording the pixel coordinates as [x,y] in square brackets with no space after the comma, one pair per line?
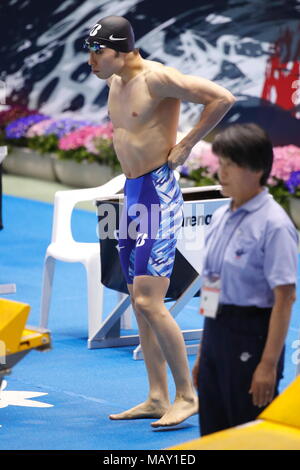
[90,144]
[83,137]
[286,160]
[210,161]
[201,156]
[39,128]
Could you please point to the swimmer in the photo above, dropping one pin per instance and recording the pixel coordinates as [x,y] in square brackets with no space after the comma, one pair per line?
[144,107]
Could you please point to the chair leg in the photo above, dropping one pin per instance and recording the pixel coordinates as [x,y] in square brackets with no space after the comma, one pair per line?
[47,283]
[95,295]
[127,315]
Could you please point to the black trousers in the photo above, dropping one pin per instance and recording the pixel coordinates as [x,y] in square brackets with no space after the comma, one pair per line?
[231,349]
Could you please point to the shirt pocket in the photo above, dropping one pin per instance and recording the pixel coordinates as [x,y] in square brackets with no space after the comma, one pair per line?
[241,251]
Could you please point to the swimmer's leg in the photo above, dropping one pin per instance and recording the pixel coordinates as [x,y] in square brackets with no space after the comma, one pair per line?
[158,400]
[149,294]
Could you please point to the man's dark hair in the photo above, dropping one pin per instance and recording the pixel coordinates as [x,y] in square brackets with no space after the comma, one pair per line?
[247,145]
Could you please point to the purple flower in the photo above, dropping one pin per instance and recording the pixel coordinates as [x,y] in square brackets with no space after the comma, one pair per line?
[64,126]
[184,170]
[19,127]
[293,182]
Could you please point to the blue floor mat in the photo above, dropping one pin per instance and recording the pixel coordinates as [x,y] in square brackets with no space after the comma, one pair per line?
[83,386]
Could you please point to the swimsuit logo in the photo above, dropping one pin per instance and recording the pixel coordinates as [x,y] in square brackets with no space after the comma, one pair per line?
[116,234]
[95,29]
[140,239]
[239,253]
[111,37]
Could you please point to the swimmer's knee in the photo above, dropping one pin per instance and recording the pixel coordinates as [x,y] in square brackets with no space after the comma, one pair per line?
[138,307]
[146,306]
[142,303]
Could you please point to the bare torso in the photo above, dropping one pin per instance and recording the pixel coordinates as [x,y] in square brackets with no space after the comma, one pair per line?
[145,127]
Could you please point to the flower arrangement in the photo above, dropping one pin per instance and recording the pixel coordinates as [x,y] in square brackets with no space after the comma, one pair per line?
[106,152]
[286,162]
[15,131]
[100,132]
[19,127]
[293,183]
[202,166]
[89,143]
[37,140]
[61,127]
[38,130]
[80,140]
[12,114]
[293,186]
[83,140]
[83,137]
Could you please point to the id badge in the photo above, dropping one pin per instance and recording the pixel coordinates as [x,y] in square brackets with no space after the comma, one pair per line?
[210,294]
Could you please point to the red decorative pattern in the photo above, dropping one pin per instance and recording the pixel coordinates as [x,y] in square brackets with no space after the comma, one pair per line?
[282,77]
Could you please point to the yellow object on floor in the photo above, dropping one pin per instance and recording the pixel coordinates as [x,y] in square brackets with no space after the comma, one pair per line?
[16,339]
[285,409]
[276,428]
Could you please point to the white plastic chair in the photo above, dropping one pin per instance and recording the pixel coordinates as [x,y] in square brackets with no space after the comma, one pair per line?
[63,247]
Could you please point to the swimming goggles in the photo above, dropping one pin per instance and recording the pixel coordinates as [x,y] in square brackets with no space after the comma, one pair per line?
[96,46]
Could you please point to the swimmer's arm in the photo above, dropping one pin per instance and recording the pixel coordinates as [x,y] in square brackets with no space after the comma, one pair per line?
[170,83]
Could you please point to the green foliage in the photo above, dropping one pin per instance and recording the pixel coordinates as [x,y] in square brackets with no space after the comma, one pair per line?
[21,142]
[2,139]
[78,155]
[107,153]
[201,177]
[280,194]
[43,143]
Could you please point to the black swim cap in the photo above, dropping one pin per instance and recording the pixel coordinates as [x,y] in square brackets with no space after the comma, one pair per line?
[114,32]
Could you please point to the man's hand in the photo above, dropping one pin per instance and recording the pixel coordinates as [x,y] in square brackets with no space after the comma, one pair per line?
[264,377]
[178,155]
[263,384]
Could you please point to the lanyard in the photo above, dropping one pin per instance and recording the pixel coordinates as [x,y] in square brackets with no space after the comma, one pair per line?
[217,262]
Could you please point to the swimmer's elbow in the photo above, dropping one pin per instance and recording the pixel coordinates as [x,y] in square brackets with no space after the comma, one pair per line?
[224,100]
[227,99]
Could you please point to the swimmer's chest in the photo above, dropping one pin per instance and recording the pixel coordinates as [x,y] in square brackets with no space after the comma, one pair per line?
[131,106]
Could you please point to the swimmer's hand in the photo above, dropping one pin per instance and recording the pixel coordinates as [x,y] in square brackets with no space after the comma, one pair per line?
[178,155]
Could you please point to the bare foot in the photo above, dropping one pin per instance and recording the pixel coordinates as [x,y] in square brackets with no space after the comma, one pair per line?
[148,409]
[178,412]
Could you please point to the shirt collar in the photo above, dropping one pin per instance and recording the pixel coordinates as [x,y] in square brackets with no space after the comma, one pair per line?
[255,203]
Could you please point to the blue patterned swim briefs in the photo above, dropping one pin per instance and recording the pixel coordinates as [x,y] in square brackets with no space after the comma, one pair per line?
[150,223]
